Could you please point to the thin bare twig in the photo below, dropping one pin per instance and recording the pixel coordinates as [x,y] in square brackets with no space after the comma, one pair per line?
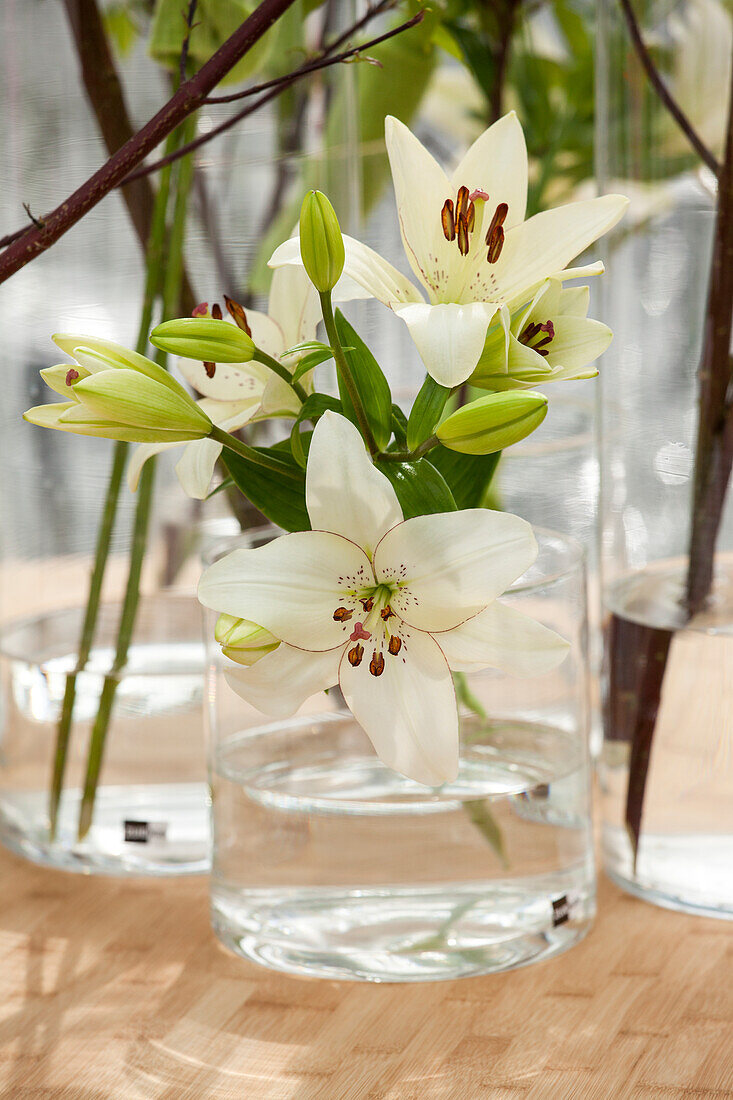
[276,87]
[663,92]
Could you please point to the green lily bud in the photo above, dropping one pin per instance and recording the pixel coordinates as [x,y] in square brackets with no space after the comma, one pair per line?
[204,338]
[493,422]
[128,397]
[243,641]
[321,243]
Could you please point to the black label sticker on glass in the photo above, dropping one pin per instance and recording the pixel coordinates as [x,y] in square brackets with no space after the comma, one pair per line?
[560,910]
[140,832]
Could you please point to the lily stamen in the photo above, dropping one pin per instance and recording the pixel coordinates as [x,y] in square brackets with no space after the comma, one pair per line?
[376,665]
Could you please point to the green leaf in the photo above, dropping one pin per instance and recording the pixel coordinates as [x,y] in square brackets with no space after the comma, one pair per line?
[399,425]
[468,476]
[313,408]
[310,361]
[426,412]
[420,488]
[281,499]
[370,382]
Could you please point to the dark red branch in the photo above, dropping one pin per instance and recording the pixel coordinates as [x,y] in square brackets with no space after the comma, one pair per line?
[187,99]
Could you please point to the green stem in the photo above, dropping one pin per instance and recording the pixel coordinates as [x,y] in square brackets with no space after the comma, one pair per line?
[345,372]
[172,284]
[233,444]
[268,361]
[104,538]
[410,456]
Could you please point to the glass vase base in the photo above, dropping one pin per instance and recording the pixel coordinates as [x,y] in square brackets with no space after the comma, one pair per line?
[689,873]
[428,935]
[158,829]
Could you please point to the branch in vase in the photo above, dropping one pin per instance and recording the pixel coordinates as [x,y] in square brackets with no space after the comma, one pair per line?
[184,102]
[662,91]
[647,646]
[714,452]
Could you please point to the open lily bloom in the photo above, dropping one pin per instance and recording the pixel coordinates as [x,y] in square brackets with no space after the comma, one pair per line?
[468,244]
[383,606]
[233,394]
[551,340]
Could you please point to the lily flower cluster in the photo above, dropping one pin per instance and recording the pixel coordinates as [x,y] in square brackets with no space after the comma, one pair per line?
[387,579]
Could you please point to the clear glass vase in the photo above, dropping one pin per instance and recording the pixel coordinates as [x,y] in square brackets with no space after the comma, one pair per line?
[667,770]
[328,863]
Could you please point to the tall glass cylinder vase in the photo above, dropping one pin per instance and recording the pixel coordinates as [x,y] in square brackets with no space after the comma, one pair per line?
[330,864]
[667,521]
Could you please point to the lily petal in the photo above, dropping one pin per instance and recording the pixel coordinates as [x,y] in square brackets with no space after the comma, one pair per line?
[293,303]
[141,455]
[282,680]
[547,242]
[409,711]
[266,333]
[578,341]
[344,492]
[502,637]
[421,188]
[452,565]
[449,337]
[229,382]
[195,467]
[291,586]
[497,163]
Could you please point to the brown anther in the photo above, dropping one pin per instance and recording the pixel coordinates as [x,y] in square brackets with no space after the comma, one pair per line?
[395,645]
[462,202]
[386,613]
[237,313]
[71,376]
[367,604]
[216,311]
[376,665]
[471,217]
[498,219]
[463,235]
[210,369]
[342,614]
[448,220]
[541,343]
[496,244]
[355,655]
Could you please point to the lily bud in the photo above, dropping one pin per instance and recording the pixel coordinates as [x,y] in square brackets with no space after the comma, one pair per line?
[204,338]
[243,641]
[128,397]
[321,243]
[493,422]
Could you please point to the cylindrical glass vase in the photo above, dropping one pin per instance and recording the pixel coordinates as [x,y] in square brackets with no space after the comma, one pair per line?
[667,542]
[327,863]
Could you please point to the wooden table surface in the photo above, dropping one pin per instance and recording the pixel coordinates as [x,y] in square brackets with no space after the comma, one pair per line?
[118,989]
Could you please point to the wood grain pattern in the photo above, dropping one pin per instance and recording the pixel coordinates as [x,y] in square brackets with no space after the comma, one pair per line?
[113,989]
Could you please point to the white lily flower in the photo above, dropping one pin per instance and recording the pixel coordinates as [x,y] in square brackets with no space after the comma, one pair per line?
[468,244]
[552,340]
[386,607]
[236,393]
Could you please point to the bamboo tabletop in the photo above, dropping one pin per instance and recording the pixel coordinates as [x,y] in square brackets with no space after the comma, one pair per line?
[118,989]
